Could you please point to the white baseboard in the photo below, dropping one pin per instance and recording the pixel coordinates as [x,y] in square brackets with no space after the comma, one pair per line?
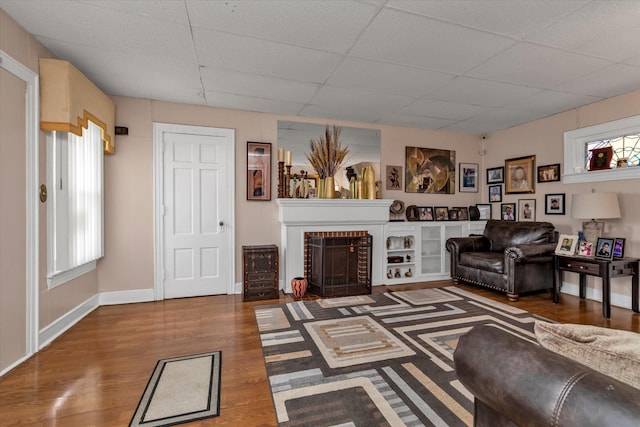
[127,297]
[617,300]
[66,321]
[14,364]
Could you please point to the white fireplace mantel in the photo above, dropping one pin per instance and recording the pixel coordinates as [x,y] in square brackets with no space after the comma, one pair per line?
[299,216]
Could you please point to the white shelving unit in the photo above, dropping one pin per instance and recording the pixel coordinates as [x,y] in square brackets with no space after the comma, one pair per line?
[400,254]
[428,256]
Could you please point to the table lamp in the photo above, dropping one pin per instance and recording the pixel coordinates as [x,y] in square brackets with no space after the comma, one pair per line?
[594,206]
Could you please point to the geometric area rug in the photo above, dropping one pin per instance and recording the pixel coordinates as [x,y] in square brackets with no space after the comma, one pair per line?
[181,390]
[376,360]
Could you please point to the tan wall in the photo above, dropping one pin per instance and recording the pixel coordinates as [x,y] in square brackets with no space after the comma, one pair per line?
[128,264]
[129,261]
[20,45]
[545,139]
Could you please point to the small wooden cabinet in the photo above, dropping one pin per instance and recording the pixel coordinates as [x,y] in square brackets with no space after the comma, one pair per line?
[260,267]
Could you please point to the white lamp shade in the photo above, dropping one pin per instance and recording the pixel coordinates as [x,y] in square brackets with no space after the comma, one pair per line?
[595,206]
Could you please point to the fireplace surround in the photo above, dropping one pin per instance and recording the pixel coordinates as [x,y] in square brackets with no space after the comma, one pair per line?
[300,216]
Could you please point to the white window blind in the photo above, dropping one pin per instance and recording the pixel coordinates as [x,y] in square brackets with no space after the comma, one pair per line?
[75,209]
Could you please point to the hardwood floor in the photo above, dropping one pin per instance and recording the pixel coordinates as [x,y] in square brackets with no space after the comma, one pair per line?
[95,373]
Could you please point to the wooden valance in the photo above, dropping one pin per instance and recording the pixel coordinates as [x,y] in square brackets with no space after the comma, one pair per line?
[68,99]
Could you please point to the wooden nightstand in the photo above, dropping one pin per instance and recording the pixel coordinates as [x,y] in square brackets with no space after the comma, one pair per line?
[260,266]
[606,269]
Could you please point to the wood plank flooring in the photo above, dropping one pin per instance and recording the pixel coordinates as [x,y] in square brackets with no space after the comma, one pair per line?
[95,373]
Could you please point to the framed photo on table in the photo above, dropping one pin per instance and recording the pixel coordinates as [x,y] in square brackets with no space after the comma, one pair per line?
[618,247]
[519,175]
[259,171]
[442,213]
[604,248]
[585,248]
[567,244]
[485,211]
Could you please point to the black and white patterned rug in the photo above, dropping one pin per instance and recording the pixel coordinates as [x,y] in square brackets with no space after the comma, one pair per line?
[376,360]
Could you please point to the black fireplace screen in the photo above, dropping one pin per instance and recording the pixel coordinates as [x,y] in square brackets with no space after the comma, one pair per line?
[339,266]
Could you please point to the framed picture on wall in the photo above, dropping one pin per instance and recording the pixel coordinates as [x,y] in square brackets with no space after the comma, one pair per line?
[554,204]
[519,175]
[259,171]
[495,193]
[429,170]
[527,210]
[508,211]
[495,175]
[549,173]
[394,178]
[469,177]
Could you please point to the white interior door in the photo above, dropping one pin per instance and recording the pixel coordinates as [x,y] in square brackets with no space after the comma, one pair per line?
[197,213]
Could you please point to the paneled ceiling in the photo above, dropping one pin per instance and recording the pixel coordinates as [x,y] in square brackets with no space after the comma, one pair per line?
[465,66]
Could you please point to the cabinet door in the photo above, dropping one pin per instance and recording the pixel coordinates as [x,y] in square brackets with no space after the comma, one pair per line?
[431,249]
[452,230]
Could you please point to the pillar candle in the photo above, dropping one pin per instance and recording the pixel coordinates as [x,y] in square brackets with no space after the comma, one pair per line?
[281,154]
[288,162]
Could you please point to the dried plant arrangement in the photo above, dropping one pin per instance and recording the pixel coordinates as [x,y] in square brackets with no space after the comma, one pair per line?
[327,153]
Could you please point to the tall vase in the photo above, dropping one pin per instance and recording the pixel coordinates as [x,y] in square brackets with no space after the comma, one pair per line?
[330,190]
[321,188]
[369,183]
[298,287]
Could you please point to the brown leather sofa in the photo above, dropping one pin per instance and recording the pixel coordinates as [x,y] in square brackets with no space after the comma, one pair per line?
[533,386]
[511,257]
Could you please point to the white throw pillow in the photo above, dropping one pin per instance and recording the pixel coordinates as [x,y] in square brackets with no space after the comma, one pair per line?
[613,352]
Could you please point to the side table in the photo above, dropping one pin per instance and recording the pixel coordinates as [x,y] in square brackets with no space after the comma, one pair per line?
[260,269]
[603,268]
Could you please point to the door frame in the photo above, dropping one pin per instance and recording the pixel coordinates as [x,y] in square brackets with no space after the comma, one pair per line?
[158,202]
[32,120]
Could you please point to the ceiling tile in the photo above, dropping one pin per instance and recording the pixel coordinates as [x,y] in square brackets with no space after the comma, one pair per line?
[414,121]
[332,26]
[511,18]
[348,99]
[232,82]
[441,109]
[465,90]
[383,77]
[249,55]
[403,38]
[249,103]
[536,66]
[550,102]
[600,83]
[607,29]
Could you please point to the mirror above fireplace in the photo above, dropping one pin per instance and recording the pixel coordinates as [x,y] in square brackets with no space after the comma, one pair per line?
[363,143]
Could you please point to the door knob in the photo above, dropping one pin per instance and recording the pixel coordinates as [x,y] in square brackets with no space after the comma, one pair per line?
[221,223]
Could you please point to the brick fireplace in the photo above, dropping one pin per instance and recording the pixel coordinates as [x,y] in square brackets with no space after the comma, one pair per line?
[300,216]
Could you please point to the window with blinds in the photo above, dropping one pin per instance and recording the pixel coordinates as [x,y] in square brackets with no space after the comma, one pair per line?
[75,206]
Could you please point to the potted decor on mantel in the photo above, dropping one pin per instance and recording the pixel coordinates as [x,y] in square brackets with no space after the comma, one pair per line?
[326,156]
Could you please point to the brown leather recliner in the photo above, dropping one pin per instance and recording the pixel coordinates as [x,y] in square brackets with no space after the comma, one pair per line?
[519,383]
[511,257]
